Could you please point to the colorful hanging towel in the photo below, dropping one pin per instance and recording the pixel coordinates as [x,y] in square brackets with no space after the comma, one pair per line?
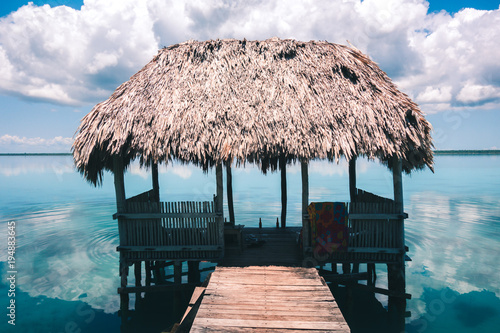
[329,229]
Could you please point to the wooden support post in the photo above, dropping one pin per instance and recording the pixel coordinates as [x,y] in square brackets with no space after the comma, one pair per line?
[137,273]
[306,235]
[194,272]
[220,202]
[220,188]
[124,297]
[352,179]
[147,268]
[118,170]
[372,274]
[396,272]
[119,184]
[159,272]
[353,191]
[396,305]
[138,277]
[156,184]
[282,163]
[178,272]
[397,176]
[123,274]
[230,204]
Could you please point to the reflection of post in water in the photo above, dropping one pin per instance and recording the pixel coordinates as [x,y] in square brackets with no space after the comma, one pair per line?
[163,298]
[397,302]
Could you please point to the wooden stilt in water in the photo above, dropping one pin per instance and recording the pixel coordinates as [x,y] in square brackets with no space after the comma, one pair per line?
[372,275]
[147,268]
[177,291]
[178,272]
[124,297]
[396,305]
[138,273]
[194,272]
[138,278]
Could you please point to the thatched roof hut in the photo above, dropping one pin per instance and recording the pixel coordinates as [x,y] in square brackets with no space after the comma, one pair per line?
[254,101]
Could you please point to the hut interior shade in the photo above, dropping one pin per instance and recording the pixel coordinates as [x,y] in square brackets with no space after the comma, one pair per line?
[217,101]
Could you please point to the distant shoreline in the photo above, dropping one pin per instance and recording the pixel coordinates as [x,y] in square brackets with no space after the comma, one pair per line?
[466,152]
[436,152]
[35,154]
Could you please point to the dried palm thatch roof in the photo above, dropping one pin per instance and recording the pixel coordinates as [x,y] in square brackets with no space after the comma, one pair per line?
[219,100]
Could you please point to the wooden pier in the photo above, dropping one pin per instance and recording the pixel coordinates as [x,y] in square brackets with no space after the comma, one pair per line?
[268,299]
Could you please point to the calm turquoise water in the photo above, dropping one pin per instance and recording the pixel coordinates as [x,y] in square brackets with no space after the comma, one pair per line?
[67,265]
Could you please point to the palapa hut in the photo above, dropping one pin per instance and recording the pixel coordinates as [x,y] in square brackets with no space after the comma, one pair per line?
[268,102]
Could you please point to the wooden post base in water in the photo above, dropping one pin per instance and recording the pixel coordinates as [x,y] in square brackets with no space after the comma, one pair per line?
[397,305]
[194,275]
[124,297]
[178,272]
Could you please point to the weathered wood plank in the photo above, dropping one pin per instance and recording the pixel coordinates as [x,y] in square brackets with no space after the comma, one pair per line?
[223,329]
[256,286]
[268,299]
[323,325]
[246,309]
[322,303]
[266,316]
[221,296]
[147,216]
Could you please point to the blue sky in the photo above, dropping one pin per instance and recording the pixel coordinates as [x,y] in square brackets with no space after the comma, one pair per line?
[60,58]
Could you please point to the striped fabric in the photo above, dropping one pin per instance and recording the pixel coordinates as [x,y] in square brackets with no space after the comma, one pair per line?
[329,229]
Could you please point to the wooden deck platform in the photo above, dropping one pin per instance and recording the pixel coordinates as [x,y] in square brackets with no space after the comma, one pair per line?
[264,247]
[268,299]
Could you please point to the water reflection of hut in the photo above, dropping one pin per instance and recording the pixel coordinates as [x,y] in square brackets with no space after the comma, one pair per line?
[269,102]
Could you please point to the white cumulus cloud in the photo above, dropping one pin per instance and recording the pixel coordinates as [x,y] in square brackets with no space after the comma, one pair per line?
[69,56]
[14,143]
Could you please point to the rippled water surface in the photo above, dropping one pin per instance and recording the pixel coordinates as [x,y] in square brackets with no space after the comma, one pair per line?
[67,266]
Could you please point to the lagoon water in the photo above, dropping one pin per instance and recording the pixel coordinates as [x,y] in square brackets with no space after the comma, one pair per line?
[67,266]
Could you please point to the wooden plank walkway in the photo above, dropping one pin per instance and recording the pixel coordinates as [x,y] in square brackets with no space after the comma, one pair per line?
[268,299]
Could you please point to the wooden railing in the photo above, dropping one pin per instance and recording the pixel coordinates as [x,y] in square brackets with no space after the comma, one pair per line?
[187,230]
[376,230]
